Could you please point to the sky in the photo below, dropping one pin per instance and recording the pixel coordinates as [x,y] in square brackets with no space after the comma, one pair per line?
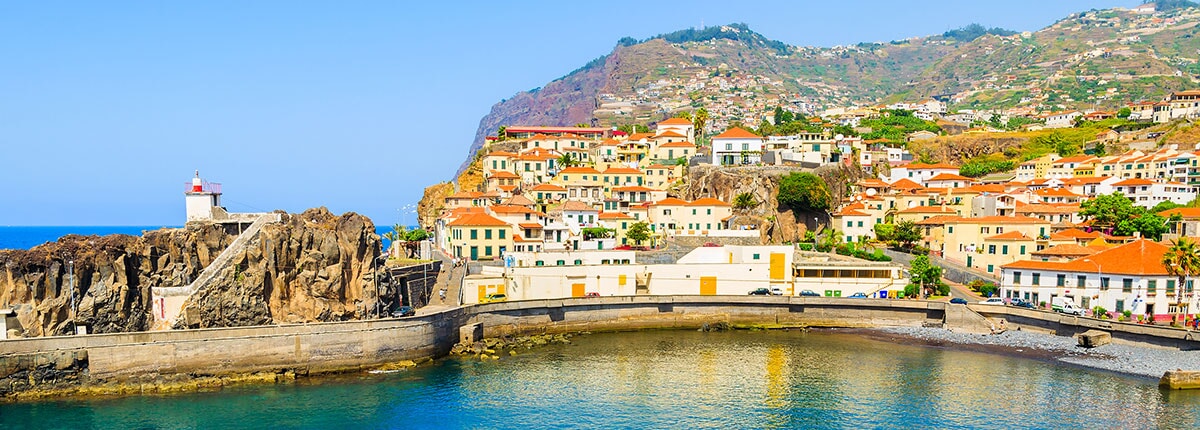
[107,108]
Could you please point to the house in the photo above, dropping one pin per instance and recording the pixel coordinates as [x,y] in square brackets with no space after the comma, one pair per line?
[966,239]
[1148,193]
[616,176]
[463,199]
[921,213]
[548,193]
[534,165]
[920,172]
[1127,277]
[1063,119]
[579,214]
[706,214]
[497,161]
[855,224]
[948,180]
[582,184]
[920,135]
[502,178]
[1037,168]
[1144,8]
[673,150]
[1186,224]
[619,222]
[681,126]
[737,146]
[661,176]
[479,236]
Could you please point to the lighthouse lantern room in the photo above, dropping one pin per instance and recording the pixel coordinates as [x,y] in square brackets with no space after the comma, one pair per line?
[203,199]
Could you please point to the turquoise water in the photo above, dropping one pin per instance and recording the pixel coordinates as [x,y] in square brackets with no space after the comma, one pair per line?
[669,379]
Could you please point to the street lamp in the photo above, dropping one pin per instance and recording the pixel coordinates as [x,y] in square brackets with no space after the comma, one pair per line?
[1099,282]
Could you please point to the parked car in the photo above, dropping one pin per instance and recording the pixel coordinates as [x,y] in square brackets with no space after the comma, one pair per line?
[992,301]
[493,298]
[775,291]
[760,292]
[1021,303]
[958,301]
[858,296]
[404,311]
[809,293]
[592,294]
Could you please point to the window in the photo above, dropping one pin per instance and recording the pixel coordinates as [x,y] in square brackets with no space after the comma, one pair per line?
[710,213]
[989,268]
[755,256]
[1170,287]
[1126,285]
[1037,279]
[1190,283]
[560,263]
[849,224]
[1103,284]
[1022,249]
[1016,278]
[502,234]
[1081,281]
[1151,287]
[1004,249]
[728,146]
[985,230]
[487,250]
[860,223]
[950,229]
[1120,306]
[745,146]
[1062,281]
[474,234]
[487,234]
[992,250]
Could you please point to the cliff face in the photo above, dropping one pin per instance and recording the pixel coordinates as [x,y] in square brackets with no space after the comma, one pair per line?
[313,267]
[777,225]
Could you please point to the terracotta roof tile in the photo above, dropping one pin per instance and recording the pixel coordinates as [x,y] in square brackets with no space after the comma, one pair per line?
[737,133]
[1140,257]
[478,219]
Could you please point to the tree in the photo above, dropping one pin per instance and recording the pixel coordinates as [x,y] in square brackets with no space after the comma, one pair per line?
[744,201]
[885,232]
[567,160]
[924,273]
[1150,225]
[417,235]
[699,120]
[805,191]
[1124,113]
[501,133]
[684,114]
[638,232]
[1182,260]
[634,128]
[1107,210]
[597,233]
[906,232]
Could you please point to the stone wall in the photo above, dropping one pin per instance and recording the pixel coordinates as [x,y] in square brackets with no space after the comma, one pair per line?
[950,270]
[415,284]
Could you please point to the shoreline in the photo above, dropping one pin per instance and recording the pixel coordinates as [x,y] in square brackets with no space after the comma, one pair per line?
[1140,361]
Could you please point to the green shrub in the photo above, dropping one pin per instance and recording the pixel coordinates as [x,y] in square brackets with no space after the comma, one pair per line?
[912,290]
[1100,312]
[805,246]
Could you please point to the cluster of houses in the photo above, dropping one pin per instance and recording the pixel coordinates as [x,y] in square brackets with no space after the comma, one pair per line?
[1026,232]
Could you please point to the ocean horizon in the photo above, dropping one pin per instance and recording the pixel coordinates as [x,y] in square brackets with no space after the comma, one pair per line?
[27,237]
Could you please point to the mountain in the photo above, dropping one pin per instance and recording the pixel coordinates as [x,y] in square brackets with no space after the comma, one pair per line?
[1098,58]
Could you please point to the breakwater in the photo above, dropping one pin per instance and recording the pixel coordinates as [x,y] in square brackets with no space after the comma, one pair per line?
[67,365]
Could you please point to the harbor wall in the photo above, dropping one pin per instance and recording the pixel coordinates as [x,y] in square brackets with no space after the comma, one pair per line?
[62,365]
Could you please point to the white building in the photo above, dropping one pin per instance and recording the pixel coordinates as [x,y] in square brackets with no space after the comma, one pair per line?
[1128,277]
[202,200]
[737,146]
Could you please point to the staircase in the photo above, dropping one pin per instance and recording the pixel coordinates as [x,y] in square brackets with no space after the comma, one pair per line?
[168,301]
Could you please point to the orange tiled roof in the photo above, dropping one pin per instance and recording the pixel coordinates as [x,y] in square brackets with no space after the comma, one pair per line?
[675,121]
[615,215]
[1067,249]
[478,219]
[670,201]
[547,187]
[577,206]
[670,133]
[1002,220]
[1186,213]
[530,226]
[926,210]
[633,189]
[905,184]
[677,145]
[737,133]
[707,201]
[502,174]
[578,169]
[1134,182]
[1011,235]
[622,170]
[949,177]
[1140,257]
[938,220]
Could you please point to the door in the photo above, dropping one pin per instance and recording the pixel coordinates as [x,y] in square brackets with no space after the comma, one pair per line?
[474,253]
[777,265]
[577,290]
[708,285]
[968,261]
[482,293]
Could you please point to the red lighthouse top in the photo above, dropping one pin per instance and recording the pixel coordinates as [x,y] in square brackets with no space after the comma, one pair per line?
[200,186]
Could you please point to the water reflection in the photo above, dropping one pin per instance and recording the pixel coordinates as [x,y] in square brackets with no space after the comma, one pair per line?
[670,379]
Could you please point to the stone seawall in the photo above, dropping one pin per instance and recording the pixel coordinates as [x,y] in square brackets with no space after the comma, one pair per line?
[73,365]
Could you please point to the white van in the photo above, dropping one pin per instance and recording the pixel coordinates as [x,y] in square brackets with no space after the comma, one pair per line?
[1066,306]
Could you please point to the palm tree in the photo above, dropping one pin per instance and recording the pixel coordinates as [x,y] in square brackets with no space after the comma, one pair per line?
[699,120]
[685,115]
[1182,260]
[566,160]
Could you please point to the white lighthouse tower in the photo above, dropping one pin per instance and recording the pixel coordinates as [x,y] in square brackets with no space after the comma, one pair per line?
[203,199]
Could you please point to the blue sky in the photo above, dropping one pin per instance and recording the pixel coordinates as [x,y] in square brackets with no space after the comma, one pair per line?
[106,108]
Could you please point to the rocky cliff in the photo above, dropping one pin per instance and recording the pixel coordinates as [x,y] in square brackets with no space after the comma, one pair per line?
[777,224]
[313,267]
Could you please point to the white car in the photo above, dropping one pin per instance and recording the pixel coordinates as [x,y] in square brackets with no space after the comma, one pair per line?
[775,291]
[993,301]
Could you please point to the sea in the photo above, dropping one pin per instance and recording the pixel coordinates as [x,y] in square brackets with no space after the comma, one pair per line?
[666,379]
[26,237]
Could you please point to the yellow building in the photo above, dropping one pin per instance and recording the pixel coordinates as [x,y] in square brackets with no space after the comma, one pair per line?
[965,238]
[479,236]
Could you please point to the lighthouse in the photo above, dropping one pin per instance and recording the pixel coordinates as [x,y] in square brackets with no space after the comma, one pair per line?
[203,199]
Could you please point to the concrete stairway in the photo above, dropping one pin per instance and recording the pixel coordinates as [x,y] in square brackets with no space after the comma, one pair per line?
[168,301]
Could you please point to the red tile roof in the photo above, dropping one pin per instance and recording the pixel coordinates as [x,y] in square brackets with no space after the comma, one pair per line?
[938,220]
[670,201]
[926,210]
[585,170]
[707,201]
[949,177]
[577,206]
[675,121]
[622,170]
[547,187]
[677,145]
[1068,249]
[670,133]
[1140,257]
[478,220]
[737,133]
[1186,213]
[905,184]
[1011,235]
[1133,182]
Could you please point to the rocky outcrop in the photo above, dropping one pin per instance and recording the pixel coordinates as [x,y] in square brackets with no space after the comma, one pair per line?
[314,266]
[777,224]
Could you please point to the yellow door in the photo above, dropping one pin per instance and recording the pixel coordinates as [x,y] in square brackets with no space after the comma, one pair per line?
[482,293]
[577,290]
[500,289]
[777,263]
[621,280]
[708,285]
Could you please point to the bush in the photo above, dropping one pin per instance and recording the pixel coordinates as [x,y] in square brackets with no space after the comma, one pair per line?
[823,247]
[846,249]
[805,191]
[912,290]
[805,246]
[919,250]
[1128,314]
[985,288]
[943,289]
[1100,312]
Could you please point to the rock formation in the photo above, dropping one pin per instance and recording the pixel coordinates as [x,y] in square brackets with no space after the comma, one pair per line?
[778,225]
[314,266]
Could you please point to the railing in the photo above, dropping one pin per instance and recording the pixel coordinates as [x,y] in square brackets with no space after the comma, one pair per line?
[206,187]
